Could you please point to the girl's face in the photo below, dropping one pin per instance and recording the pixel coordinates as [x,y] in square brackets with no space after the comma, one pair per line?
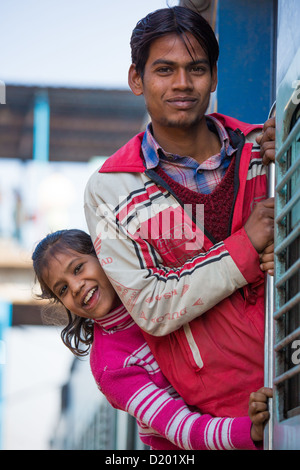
[80,283]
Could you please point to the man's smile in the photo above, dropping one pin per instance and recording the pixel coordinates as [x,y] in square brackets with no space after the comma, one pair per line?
[182,102]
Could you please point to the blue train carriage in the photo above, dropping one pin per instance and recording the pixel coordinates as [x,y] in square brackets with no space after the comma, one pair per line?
[284,330]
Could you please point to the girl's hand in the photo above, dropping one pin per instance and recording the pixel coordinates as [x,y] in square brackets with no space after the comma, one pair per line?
[258,412]
[267,260]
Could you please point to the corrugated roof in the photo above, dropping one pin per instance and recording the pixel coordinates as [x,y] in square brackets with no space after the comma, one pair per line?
[83,122]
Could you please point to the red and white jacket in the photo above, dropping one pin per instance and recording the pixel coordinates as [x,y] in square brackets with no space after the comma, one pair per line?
[199,304]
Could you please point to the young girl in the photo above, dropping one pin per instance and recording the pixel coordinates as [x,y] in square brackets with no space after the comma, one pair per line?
[122,364]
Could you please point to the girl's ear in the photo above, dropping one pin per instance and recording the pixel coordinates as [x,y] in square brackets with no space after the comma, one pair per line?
[135,81]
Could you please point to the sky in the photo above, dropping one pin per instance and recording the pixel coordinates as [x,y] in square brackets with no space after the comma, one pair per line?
[81,43]
[72,43]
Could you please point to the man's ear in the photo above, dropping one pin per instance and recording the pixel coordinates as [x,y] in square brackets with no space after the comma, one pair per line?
[214,79]
[135,81]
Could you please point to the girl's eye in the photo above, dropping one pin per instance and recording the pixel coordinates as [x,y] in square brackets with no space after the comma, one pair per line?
[62,291]
[77,269]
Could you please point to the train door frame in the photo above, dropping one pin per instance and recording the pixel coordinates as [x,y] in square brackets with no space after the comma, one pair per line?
[286,422]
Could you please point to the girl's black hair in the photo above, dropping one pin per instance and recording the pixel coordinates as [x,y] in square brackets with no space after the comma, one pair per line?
[178,20]
[78,331]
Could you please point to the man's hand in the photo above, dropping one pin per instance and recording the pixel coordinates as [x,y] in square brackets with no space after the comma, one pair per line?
[267,260]
[260,225]
[266,140]
[258,412]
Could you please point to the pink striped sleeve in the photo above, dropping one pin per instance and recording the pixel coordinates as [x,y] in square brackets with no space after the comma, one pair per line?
[166,422]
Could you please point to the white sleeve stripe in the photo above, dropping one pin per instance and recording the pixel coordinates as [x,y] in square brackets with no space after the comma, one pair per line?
[217,434]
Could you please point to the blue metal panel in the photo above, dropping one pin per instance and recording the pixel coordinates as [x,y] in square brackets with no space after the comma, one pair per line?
[5,322]
[41,127]
[246,36]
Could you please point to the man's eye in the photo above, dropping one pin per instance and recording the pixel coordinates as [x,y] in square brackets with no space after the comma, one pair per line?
[164,70]
[198,69]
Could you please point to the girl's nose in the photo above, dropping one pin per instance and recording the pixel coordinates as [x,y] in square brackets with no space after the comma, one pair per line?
[76,286]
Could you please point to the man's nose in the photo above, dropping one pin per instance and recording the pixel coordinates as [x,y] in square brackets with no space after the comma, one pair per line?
[182,79]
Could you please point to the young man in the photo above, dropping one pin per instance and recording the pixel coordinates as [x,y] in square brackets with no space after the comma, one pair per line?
[194,286]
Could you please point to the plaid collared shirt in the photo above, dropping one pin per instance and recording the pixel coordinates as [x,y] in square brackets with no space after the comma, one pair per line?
[202,178]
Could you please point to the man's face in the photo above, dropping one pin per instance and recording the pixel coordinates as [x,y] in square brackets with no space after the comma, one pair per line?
[176,86]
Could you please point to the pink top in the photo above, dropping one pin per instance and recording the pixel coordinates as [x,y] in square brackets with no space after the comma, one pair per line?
[130,378]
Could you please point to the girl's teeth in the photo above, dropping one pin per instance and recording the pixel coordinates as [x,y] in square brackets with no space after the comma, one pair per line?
[89,295]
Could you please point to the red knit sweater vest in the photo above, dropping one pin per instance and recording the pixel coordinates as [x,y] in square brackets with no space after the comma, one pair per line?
[217,204]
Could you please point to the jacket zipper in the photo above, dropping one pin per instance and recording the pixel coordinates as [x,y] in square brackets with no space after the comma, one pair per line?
[193,346]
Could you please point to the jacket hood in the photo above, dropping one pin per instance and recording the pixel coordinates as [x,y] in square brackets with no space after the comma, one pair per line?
[129,159]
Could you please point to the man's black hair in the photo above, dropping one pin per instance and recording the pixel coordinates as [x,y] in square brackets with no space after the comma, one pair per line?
[175,20]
